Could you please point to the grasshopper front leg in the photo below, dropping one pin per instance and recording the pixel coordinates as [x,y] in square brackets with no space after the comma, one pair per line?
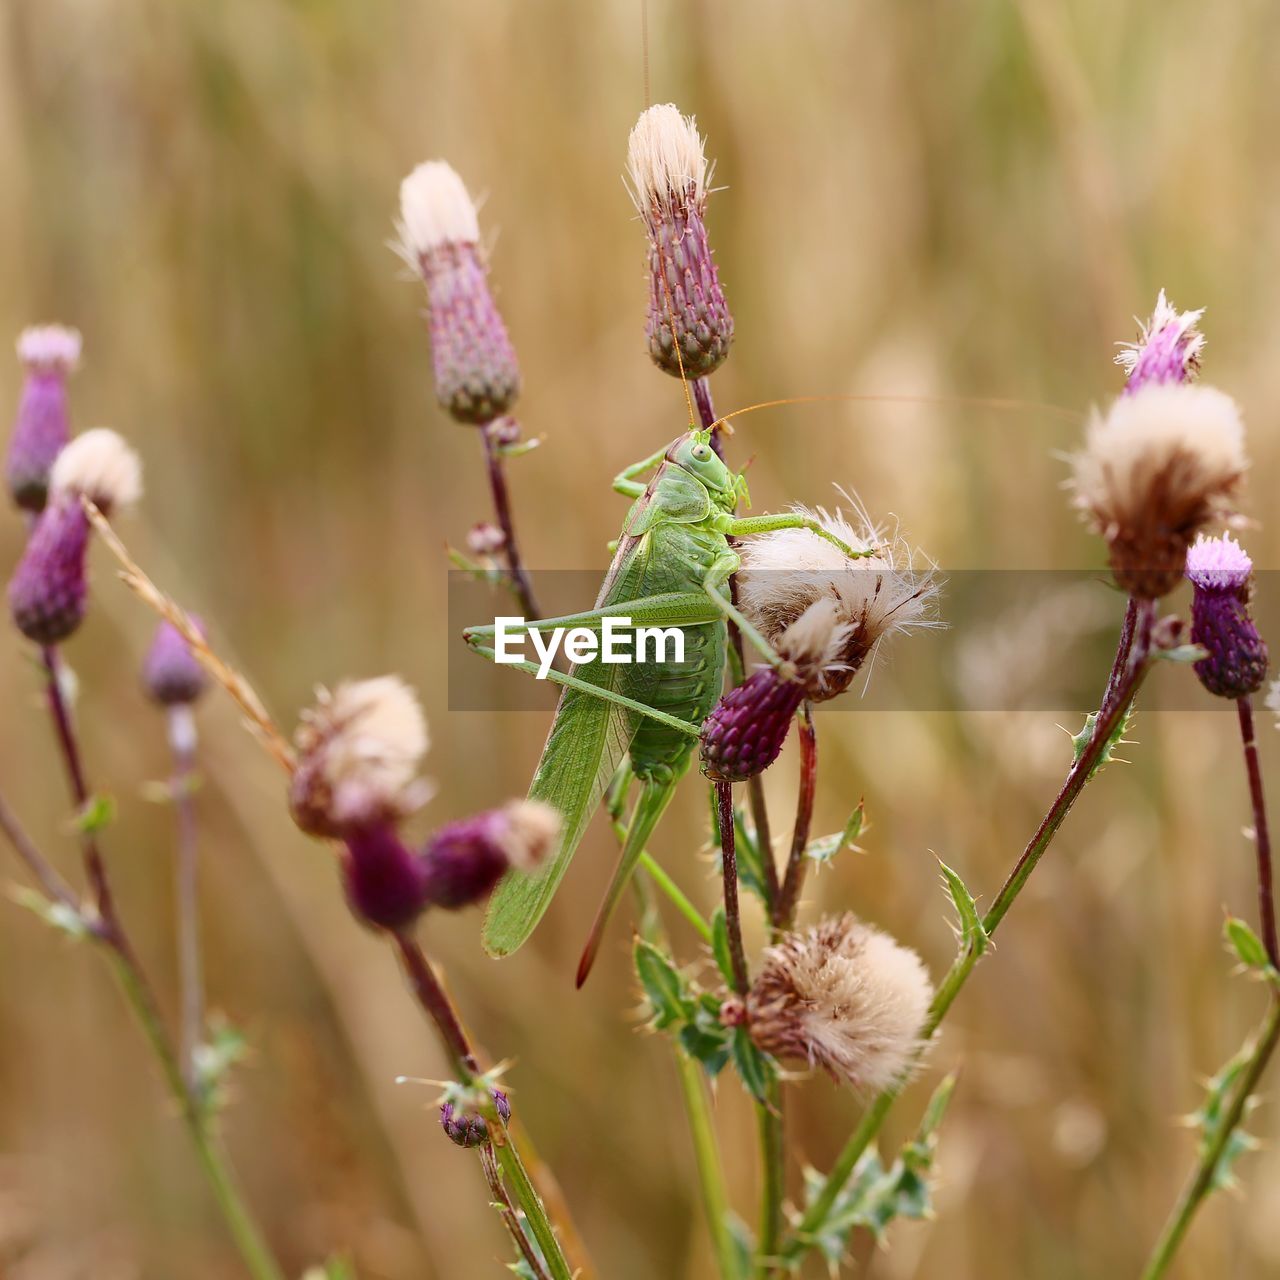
[715,584]
[626,482]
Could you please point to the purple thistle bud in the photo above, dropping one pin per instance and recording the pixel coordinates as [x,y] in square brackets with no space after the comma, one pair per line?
[502,1105]
[687,308]
[42,426]
[746,729]
[466,859]
[170,673]
[463,1129]
[1167,351]
[49,590]
[476,374]
[1220,571]
[385,881]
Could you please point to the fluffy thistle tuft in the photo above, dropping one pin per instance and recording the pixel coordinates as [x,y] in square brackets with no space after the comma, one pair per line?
[825,611]
[689,325]
[100,466]
[1220,571]
[359,750]
[842,996]
[1168,349]
[1156,469]
[476,374]
[42,426]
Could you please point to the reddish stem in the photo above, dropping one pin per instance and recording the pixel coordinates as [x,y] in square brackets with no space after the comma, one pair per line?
[784,915]
[502,509]
[1262,838]
[729,870]
[435,1002]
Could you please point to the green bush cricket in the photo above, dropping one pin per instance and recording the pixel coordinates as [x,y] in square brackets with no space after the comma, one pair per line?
[672,567]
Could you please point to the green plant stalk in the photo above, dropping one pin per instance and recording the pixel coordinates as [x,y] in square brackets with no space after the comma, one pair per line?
[677,896]
[253,1248]
[530,1202]
[1201,1181]
[773,1179]
[1115,706]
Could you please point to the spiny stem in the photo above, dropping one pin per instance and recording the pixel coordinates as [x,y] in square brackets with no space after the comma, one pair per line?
[785,912]
[534,1211]
[1261,835]
[510,1219]
[182,743]
[729,873]
[1201,1181]
[502,510]
[1132,663]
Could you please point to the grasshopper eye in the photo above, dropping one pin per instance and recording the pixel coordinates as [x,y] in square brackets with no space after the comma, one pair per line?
[701,452]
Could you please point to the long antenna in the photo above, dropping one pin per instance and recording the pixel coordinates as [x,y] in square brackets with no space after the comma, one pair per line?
[972,402]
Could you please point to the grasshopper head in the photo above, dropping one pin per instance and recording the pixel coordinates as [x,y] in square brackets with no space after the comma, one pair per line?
[693,453]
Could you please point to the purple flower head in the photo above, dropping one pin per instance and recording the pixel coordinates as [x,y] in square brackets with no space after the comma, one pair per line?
[1236,663]
[1168,350]
[385,881]
[42,426]
[745,731]
[689,325]
[465,860]
[476,374]
[170,673]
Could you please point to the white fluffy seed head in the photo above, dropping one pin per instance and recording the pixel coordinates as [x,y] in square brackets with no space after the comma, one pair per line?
[100,466]
[532,828]
[845,997]
[359,750]
[50,346]
[665,159]
[435,209]
[814,603]
[1156,469]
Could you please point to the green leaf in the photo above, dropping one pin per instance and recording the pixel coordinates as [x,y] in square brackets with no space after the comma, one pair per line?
[1082,740]
[663,986]
[520,448]
[972,935]
[224,1048]
[97,813]
[824,848]
[747,848]
[1182,653]
[1246,944]
[58,915]
[720,945]
[1212,1115]
[756,1068]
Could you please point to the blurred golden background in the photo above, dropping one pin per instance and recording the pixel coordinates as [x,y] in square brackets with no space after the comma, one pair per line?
[952,200]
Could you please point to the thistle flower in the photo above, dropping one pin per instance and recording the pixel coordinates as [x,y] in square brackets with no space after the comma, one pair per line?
[466,859]
[359,750]
[687,309]
[1220,571]
[50,354]
[171,675]
[49,591]
[1162,464]
[476,374]
[1168,350]
[784,574]
[842,996]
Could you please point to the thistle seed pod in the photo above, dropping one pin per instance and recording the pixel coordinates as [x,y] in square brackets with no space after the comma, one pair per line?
[844,997]
[465,860]
[476,374]
[171,675]
[1167,351]
[42,427]
[687,309]
[49,590]
[1220,571]
[1162,464]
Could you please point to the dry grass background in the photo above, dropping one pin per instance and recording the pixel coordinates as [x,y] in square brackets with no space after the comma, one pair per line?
[959,199]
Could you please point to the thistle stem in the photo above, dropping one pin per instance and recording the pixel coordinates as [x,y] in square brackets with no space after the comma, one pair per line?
[1132,664]
[1202,1179]
[729,873]
[54,887]
[785,912]
[1261,835]
[435,1002]
[770,1128]
[510,1219]
[502,509]
[182,743]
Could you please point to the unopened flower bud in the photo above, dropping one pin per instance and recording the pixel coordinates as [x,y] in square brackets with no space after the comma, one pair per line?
[171,675]
[49,590]
[503,1105]
[1220,571]
[466,859]
[842,996]
[746,729]
[386,882]
[476,374]
[1162,464]
[485,539]
[42,428]
[359,750]
[687,309]
[504,431]
[461,1128]
[1167,351]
